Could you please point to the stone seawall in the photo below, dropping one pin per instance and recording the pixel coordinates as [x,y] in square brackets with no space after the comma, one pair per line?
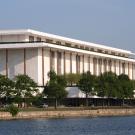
[68,113]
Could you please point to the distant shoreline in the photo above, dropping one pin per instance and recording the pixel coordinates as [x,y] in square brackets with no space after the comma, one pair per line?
[68,113]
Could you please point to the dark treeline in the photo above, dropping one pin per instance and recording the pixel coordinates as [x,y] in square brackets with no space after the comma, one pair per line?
[92,102]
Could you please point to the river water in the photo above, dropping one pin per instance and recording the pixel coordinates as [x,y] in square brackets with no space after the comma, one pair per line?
[70,126]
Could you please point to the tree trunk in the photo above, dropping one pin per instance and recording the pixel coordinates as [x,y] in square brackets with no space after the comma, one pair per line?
[86,99]
[123,102]
[55,103]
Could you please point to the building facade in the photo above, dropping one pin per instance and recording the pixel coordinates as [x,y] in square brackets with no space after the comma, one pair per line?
[36,53]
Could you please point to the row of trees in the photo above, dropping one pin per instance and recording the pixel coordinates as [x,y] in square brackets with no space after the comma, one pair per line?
[107,85]
[22,89]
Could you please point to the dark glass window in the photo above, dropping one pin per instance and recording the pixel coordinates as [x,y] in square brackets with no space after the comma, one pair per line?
[68,44]
[49,41]
[58,43]
[38,39]
[100,51]
[92,49]
[31,38]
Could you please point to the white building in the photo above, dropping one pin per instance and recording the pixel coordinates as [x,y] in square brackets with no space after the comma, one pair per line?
[35,53]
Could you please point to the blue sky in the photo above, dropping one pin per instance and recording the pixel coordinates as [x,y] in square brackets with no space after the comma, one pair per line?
[109,22]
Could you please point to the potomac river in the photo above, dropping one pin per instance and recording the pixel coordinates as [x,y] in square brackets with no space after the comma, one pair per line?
[70,126]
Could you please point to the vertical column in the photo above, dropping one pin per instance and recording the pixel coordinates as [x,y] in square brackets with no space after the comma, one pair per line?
[55,63]
[67,61]
[107,65]
[64,63]
[70,62]
[6,62]
[91,65]
[123,68]
[94,66]
[24,52]
[74,63]
[110,65]
[97,67]
[132,71]
[83,63]
[115,68]
[77,64]
[102,67]
[43,66]
[48,62]
[59,59]
[119,67]
[128,70]
[50,59]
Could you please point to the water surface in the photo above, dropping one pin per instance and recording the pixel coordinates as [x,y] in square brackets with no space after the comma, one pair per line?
[70,126]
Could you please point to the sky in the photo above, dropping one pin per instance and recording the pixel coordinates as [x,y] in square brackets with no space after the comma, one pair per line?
[108,22]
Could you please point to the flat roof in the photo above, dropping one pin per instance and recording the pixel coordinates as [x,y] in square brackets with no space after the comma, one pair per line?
[43,34]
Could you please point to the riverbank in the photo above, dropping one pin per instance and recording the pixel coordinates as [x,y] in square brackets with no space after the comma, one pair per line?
[69,113]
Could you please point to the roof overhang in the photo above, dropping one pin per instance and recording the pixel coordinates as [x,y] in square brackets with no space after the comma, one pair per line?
[64,48]
[61,38]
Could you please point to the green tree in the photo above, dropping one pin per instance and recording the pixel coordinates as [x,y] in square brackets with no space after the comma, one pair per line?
[125,86]
[86,84]
[6,87]
[61,80]
[107,85]
[55,87]
[72,78]
[25,88]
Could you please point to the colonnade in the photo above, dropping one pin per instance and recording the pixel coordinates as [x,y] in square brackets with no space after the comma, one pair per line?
[79,63]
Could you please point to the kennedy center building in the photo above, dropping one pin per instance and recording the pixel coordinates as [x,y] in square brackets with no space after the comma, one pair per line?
[35,53]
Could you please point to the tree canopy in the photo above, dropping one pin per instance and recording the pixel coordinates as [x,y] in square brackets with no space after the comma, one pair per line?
[107,85]
[125,86]
[72,78]
[6,87]
[86,84]
[55,87]
[25,88]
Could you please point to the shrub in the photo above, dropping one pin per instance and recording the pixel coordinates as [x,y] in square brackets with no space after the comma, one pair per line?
[12,109]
